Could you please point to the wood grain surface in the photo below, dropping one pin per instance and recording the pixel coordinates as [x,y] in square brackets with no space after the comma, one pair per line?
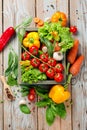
[12,12]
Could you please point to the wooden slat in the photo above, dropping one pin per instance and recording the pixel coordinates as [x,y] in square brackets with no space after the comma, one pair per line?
[14,12]
[45,11]
[78,17]
[1,66]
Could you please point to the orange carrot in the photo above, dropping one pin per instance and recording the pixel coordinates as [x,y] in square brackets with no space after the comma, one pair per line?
[73,52]
[75,68]
[36,20]
[40,23]
[57,47]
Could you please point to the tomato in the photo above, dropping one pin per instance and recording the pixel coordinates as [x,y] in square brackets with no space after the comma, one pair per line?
[58,77]
[59,67]
[43,67]
[50,73]
[25,56]
[52,62]
[35,62]
[31,97]
[73,29]
[33,50]
[32,91]
[44,57]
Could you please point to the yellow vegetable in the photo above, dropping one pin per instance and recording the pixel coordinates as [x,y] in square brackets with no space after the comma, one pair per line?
[59,17]
[25,63]
[32,39]
[58,94]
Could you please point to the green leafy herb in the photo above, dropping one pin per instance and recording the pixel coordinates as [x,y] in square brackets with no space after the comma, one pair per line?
[43,103]
[50,115]
[22,29]
[25,109]
[12,71]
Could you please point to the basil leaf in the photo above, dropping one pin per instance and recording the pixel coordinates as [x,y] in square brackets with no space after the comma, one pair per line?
[43,103]
[49,116]
[60,110]
[24,108]
[41,94]
[49,45]
[11,81]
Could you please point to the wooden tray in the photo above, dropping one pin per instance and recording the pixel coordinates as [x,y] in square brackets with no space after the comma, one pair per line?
[44,82]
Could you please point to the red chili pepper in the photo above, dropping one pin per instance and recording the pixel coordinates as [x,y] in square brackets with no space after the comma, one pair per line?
[6,36]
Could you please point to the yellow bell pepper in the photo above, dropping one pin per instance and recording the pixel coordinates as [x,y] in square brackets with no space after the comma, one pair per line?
[32,39]
[58,94]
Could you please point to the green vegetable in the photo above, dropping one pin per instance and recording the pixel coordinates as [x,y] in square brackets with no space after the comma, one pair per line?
[65,39]
[24,108]
[43,103]
[12,71]
[22,30]
[49,116]
[32,75]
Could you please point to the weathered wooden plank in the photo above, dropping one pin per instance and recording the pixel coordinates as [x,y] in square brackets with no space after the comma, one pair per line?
[78,17]
[14,12]
[1,67]
[45,11]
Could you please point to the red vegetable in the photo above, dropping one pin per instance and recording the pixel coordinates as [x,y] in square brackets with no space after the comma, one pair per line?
[25,56]
[75,68]
[32,91]
[52,62]
[31,97]
[50,73]
[43,67]
[58,77]
[73,52]
[44,57]
[59,67]
[6,36]
[73,29]
[33,50]
[35,62]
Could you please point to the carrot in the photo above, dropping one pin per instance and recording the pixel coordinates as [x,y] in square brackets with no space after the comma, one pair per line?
[36,20]
[73,52]
[40,23]
[57,47]
[75,68]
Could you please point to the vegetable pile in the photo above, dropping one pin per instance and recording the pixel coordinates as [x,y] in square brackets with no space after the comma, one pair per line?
[42,58]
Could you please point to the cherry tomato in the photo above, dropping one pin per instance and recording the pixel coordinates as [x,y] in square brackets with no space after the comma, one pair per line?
[73,29]
[50,73]
[44,57]
[31,97]
[43,67]
[58,77]
[34,50]
[35,62]
[59,67]
[52,62]
[32,91]
[25,56]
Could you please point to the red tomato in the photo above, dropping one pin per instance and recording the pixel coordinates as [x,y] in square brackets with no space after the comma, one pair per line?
[32,91]
[50,73]
[34,50]
[58,77]
[52,62]
[59,67]
[44,57]
[31,97]
[73,29]
[35,62]
[43,67]
[25,56]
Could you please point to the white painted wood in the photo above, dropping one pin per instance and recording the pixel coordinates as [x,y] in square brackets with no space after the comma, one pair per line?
[14,13]
[78,17]
[1,68]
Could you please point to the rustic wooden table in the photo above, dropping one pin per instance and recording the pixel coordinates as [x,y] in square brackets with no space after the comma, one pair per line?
[12,13]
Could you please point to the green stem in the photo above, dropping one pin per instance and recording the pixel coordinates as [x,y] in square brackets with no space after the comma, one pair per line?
[67,68]
[68,81]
